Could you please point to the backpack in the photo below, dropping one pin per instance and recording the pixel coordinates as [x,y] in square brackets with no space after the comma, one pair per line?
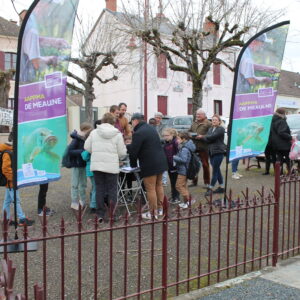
[3,179]
[66,159]
[194,166]
[295,151]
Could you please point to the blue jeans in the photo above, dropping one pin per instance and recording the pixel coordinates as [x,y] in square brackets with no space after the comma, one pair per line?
[8,199]
[93,193]
[216,161]
[78,188]
[234,165]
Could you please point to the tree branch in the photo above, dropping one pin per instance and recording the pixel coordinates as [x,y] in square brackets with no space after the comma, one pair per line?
[106,80]
[76,88]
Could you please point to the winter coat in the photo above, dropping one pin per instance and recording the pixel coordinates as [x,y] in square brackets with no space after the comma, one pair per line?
[75,149]
[201,128]
[146,147]
[7,164]
[106,145]
[215,140]
[280,133]
[182,159]
[86,156]
[171,149]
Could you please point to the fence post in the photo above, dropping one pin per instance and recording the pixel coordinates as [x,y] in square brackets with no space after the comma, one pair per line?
[276,215]
[164,277]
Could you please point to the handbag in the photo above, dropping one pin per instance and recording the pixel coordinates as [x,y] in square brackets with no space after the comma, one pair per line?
[66,159]
[295,151]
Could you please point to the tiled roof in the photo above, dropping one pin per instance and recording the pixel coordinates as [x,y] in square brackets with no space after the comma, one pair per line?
[289,83]
[8,28]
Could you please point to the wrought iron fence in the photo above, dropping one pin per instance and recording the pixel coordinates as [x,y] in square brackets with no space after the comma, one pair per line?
[156,259]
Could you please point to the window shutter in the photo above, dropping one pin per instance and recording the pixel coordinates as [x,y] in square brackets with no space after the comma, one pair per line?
[162,66]
[217,73]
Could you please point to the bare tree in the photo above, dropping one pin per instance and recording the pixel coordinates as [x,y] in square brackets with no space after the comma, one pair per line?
[194,34]
[101,53]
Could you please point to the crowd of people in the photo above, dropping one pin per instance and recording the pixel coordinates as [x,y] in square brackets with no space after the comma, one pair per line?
[96,152]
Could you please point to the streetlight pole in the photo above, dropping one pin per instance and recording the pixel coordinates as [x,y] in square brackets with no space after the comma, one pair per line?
[146,64]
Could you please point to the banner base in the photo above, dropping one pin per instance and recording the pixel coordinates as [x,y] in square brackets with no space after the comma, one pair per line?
[19,247]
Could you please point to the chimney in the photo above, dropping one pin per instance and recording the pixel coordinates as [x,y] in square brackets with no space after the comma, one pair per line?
[111,5]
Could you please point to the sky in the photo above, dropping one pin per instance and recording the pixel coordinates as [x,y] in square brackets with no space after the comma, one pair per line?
[291,60]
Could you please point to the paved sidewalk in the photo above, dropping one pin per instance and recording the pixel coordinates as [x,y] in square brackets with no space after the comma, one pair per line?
[280,283]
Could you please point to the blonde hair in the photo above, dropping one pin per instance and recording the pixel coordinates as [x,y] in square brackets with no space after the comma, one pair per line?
[170,131]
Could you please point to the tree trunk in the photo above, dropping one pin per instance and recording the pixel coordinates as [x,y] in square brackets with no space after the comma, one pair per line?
[197,95]
[89,109]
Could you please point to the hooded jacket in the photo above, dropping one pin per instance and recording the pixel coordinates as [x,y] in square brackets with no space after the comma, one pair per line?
[280,133]
[106,145]
[7,164]
[183,157]
[75,149]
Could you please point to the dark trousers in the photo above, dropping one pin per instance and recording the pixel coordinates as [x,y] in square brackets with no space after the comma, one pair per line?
[270,158]
[203,155]
[42,195]
[173,179]
[106,186]
[283,157]
[216,161]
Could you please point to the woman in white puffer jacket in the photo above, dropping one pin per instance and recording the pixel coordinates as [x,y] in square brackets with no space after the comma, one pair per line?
[106,145]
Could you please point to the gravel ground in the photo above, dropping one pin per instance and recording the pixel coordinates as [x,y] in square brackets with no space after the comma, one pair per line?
[258,288]
[59,200]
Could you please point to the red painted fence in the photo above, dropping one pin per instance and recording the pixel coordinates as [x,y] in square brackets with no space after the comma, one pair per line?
[183,251]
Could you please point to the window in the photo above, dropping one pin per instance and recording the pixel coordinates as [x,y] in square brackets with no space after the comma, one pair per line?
[189,77]
[10,60]
[162,66]
[217,73]
[218,107]
[162,104]
[190,106]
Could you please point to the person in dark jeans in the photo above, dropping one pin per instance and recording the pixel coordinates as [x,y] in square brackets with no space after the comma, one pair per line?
[42,201]
[171,149]
[106,145]
[216,149]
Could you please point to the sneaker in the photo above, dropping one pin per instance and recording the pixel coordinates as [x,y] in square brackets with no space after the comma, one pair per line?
[48,211]
[235,176]
[219,190]
[75,205]
[25,221]
[82,203]
[148,216]
[12,223]
[240,175]
[174,200]
[184,205]
[160,212]
[92,210]
[208,193]
[100,220]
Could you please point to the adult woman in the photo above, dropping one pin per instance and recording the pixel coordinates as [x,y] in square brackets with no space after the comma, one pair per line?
[216,150]
[106,145]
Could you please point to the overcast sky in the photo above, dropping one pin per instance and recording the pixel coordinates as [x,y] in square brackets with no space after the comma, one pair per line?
[92,9]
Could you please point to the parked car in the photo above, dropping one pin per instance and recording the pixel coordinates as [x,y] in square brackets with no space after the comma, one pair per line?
[165,120]
[293,121]
[180,123]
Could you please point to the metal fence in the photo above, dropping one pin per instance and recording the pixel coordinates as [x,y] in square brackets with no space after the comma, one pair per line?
[156,259]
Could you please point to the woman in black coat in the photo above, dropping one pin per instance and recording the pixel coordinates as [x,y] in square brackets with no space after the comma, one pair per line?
[281,139]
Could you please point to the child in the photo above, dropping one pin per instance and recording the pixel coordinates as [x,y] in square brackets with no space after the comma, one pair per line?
[171,149]
[9,192]
[76,147]
[86,156]
[182,160]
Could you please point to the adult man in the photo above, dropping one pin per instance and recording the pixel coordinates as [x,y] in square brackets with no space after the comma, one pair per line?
[246,72]
[146,147]
[200,126]
[159,126]
[123,120]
